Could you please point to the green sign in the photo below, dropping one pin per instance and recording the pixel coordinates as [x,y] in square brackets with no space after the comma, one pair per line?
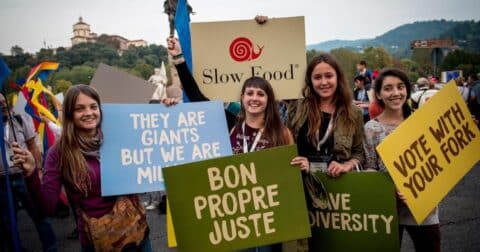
[237,202]
[359,215]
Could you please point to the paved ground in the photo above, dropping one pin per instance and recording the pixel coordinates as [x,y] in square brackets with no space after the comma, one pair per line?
[459,215]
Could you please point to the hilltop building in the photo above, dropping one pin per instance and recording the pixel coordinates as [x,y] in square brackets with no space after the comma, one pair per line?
[83,34]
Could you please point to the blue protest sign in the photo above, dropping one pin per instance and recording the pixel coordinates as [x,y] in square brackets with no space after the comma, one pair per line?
[141,139]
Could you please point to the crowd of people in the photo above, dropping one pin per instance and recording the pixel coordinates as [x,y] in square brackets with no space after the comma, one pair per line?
[336,130]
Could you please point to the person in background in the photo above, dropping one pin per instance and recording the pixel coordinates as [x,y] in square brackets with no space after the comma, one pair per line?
[374,109]
[392,89]
[474,97]
[365,72]
[21,131]
[462,88]
[360,96]
[426,90]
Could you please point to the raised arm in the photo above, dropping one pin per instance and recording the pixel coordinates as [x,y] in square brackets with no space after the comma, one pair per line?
[189,84]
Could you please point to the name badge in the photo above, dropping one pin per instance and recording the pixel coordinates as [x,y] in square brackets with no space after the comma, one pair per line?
[319,163]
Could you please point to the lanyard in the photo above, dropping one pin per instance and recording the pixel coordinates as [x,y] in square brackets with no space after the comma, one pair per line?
[327,133]
[255,142]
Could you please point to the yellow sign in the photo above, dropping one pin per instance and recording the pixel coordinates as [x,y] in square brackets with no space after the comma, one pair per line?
[225,54]
[171,238]
[432,150]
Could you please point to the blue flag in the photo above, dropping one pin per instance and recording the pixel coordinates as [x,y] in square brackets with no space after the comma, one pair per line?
[182,24]
[4,72]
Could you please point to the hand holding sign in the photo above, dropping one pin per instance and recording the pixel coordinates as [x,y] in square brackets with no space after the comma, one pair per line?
[237,202]
[438,145]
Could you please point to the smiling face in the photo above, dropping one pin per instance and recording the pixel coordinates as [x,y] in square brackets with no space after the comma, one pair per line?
[324,80]
[254,100]
[393,93]
[86,115]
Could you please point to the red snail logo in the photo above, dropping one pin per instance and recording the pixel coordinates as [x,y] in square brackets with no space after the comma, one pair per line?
[241,49]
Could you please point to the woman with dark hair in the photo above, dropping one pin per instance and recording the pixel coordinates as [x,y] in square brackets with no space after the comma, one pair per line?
[259,125]
[74,161]
[327,126]
[392,90]
[328,129]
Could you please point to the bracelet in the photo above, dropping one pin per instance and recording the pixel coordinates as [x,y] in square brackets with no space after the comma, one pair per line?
[178,56]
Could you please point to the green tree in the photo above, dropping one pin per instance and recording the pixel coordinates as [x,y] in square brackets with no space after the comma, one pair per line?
[145,70]
[46,55]
[61,86]
[109,41]
[377,58]
[424,59]
[411,68]
[81,74]
[347,60]
[310,54]
[468,62]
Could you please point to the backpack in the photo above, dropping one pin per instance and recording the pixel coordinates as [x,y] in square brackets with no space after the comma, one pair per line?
[416,104]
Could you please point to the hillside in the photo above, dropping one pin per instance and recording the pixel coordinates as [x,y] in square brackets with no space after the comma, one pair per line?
[397,41]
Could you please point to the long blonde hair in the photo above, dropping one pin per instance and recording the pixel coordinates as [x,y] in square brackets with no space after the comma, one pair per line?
[73,164]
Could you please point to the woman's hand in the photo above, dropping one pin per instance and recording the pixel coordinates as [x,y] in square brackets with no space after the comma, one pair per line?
[261,19]
[173,46]
[301,162]
[24,159]
[170,101]
[336,169]
[401,197]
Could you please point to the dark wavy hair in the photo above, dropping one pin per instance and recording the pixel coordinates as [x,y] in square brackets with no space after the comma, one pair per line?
[274,130]
[395,72]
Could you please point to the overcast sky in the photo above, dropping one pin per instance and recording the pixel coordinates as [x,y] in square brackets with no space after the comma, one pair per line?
[30,23]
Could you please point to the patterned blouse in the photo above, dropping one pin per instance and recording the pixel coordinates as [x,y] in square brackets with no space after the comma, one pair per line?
[236,139]
[375,132]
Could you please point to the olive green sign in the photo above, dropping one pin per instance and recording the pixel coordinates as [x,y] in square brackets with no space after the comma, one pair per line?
[237,202]
[359,213]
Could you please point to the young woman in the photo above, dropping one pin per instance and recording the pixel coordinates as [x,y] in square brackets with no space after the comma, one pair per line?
[392,90]
[74,162]
[328,127]
[258,125]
